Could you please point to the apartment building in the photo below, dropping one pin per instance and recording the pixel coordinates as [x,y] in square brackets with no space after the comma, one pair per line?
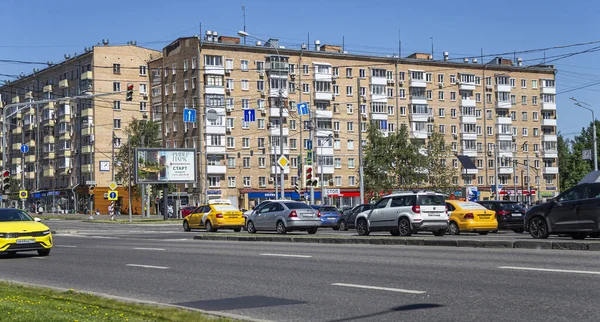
[499,108]
[70,141]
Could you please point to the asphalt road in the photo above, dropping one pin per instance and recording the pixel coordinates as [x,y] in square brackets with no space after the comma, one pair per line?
[317,282]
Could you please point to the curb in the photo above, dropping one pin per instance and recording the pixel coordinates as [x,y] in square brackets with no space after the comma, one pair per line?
[472,243]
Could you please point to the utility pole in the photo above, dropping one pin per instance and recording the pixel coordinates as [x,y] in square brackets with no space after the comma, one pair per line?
[515,177]
[143,186]
[528,184]
[330,137]
[199,122]
[300,165]
[595,142]
[23,167]
[129,173]
[496,171]
[280,105]
[314,154]
[360,147]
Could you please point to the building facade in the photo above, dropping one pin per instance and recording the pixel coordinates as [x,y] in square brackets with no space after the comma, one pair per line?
[497,110]
[70,141]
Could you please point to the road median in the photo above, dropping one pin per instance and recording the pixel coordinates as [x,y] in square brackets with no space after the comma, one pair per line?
[412,241]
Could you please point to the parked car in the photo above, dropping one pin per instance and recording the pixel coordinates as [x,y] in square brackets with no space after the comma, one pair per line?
[283,217]
[349,216]
[467,216]
[509,214]
[405,213]
[575,212]
[19,233]
[330,216]
[187,210]
[217,214]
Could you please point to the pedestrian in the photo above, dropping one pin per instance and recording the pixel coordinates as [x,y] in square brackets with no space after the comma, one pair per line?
[40,210]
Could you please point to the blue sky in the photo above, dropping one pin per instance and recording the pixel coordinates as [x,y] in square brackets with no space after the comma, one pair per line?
[45,30]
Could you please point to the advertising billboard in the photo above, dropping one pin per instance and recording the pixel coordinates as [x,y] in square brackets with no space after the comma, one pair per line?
[161,165]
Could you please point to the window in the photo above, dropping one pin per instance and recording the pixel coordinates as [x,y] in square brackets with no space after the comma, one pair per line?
[349,108]
[116,124]
[523,83]
[338,181]
[441,78]
[513,83]
[478,97]
[174,88]
[525,131]
[262,182]
[231,182]
[428,77]
[390,92]
[441,95]
[524,116]
[403,110]
[490,130]
[350,144]
[390,110]
[230,141]
[336,90]
[351,163]
[185,65]
[453,113]
[293,143]
[348,72]
[247,182]
[402,93]
[535,116]
[245,84]
[229,84]
[336,71]
[337,163]
[442,128]
[305,88]
[117,105]
[488,98]
[244,65]
[245,143]
[452,79]
[534,83]
[478,114]
[143,107]
[262,163]
[116,68]
[349,91]
[260,66]
[305,69]
[350,126]
[361,73]
[536,131]
[513,115]
[246,162]
[429,94]
[174,68]
[453,96]
[116,86]
[260,85]
[228,64]
[441,112]
[524,100]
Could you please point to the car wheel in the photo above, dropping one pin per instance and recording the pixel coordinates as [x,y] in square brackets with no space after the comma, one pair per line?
[209,227]
[186,226]
[281,228]
[44,252]
[538,228]
[336,227]
[362,228]
[343,226]
[440,232]
[453,228]
[483,233]
[251,229]
[519,230]
[579,236]
[395,232]
[237,230]
[312,231]
[404,227]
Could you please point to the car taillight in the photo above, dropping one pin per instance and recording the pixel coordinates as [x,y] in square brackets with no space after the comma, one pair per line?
[503,212]
[446,208]
[219,215]
[318,213]
[469,216]
[293,214]
[416,209]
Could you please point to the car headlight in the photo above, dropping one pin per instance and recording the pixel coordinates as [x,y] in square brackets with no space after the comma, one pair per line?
[46,232]
[3,235]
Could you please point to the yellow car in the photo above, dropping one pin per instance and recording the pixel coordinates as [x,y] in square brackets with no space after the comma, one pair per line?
[466,216]
[19,232]
[217,214]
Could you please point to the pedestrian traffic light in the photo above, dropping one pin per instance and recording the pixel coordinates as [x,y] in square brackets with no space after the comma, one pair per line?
[129,95]
[5,182]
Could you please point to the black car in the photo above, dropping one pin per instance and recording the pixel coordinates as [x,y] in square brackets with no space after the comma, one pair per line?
[349,216]
[509,214]
[575,212]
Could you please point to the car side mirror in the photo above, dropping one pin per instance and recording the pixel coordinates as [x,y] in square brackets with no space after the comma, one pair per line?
[36,219]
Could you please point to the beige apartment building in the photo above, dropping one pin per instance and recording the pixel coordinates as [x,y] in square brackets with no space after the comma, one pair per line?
[70,141]
[497,108]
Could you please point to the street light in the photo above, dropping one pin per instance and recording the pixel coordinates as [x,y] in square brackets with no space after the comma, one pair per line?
[329,137]
[279,105]
[579,103]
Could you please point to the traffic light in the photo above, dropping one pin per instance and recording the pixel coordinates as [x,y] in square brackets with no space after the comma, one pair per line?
[308,176]
[129,96]
[5,182]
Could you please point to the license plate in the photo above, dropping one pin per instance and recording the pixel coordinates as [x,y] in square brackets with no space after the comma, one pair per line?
[434,214]
[308,215]
[484,217]
[25,241]
[517,215]
[332,218]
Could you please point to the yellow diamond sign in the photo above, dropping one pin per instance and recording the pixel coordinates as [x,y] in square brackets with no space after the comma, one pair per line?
[113,185]
[283,161]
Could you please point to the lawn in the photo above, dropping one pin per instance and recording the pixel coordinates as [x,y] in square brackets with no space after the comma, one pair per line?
[136,221]
[31,304]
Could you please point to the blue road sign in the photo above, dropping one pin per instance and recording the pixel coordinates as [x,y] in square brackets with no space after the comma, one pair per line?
[112,195]
[189,115]
[24,148]
[302,108]
[249,116]
[309,144]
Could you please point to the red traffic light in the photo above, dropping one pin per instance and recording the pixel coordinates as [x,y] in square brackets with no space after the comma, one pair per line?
[5,173]
[130,87]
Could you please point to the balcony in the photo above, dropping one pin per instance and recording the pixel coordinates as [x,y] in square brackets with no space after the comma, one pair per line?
[324,132]
[30,175]
[216,149]
[419,117]
[503,88]
[86,130]
[468,119]
[217,90]
[276,169]
[63,83]
[216,169]
[86,168]
[320,114]
[49,122]
[468,136]
[548,122]
[379,116]
[275,131]
[65,136]
[274,111]
[323,96]
[550,154]
[214,70]
[505,170]
[470,153]
[274,92]
[49,155]
[49,139]
[468,102]
[503,104]
[29,95]
[65,117]
[16,161]
[379,98]
[49,173]
[470,171]
[48,89]
[324,151]
[504,120]
[87,149]
[17,130]
[87,112]
[65,153]
[326,169]
[16,99]
[87,75]
[17,146]
[418,83]
[276,150]
[548,106]
[418,100]
[548,90]
[379,81]
[550,170]
[30,158]
[549,138]
[215,129]
[419,134]
[466,86]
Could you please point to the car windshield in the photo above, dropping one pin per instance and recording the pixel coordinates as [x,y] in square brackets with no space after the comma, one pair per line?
[329,209]
[470,205]
[225,208]
[432,200]
[512,206]
[14,215]
[367,206]
[297,205]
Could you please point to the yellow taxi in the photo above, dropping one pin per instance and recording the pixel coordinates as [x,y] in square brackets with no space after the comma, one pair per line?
[467,216]
[19,233]
[217,214]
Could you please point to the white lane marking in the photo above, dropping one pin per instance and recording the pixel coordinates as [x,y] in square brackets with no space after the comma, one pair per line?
[287,255]
[144,248]
[105,237]
[39,257]
[65,246]
[399,290]
[549,270]
[147,266]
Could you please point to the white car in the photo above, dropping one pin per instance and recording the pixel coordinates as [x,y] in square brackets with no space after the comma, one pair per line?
[405,213]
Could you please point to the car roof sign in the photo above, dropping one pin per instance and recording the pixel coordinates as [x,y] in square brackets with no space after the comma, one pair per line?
[219,202]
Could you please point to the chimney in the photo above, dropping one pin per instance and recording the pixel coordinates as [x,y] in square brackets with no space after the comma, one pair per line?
[317,45]
[520,61]
[446,56]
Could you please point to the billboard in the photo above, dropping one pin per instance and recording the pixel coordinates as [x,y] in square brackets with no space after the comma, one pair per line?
[161,165]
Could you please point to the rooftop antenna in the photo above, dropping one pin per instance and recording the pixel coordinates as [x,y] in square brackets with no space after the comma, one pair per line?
[399,43]
[244,14]
[431,47]
[343,43]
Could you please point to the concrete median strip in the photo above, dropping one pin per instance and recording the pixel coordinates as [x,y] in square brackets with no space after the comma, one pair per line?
[412,241]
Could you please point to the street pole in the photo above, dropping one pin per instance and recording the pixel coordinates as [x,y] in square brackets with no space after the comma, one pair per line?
[201,184]
[129,173]
[528,183]
[23,167]
[515,178]
[143,187]
[360,147]
[496,170]
[314,154]
[297,70]
[321,165]
[595,142]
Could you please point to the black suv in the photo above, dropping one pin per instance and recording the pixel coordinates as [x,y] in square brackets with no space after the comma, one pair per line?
[349,216]
[575,212]
[509,214]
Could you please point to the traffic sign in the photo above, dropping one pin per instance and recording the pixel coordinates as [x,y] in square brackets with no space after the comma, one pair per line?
[113,195]
[309,157]
[309,144]
[302,108]
[24,148]
[283,161]
[112,185]
[23,194]
[249,115]
[586,154]
[189,115]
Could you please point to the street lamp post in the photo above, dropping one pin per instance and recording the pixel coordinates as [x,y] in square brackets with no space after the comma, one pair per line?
[579,103]
[321,165]
[279,105]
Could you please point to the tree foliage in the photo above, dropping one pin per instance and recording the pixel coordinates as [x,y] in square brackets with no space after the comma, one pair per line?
[572,168]
[440,174]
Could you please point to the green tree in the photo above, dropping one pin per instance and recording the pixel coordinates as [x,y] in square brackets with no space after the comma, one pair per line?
[439,173]
[378,162]
[408,163]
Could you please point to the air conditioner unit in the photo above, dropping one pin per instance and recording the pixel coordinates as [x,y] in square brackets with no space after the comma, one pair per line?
[336,134]
[293,76]
[489,153]
[229,108]
[261,73]
[390,81]
[401,83]
[229,129]
[270,125]
[228,70]
[271,179]
[145,115]
[455,135]
[228,91]
[441,85]
[430,119]
[76,151]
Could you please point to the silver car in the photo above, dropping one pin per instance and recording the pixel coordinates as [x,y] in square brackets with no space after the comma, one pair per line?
[283,217]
